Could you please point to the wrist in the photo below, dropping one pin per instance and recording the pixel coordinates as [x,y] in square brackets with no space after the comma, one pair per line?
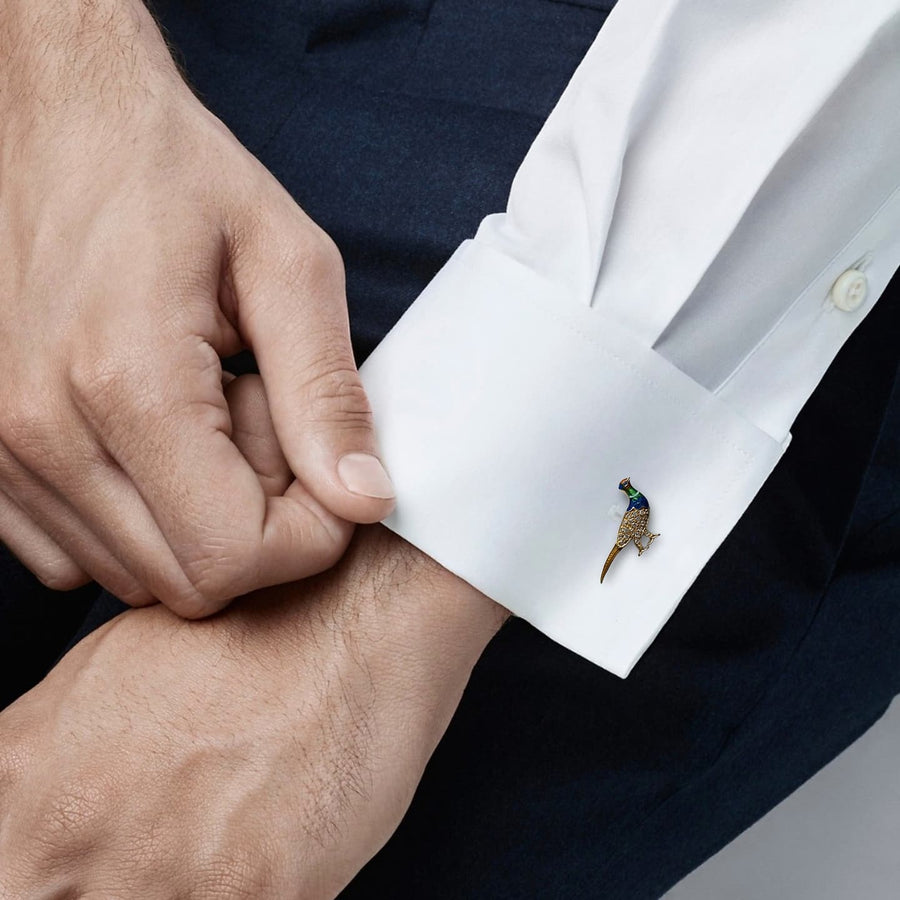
[419,628]
[391,614]
[407,584]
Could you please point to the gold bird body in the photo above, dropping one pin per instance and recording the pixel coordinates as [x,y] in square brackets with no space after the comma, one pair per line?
[633,527]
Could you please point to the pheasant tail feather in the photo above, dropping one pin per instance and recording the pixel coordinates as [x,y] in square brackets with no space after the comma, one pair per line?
[612,555]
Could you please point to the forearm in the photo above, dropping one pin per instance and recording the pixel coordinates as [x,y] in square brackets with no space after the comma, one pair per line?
[59,56]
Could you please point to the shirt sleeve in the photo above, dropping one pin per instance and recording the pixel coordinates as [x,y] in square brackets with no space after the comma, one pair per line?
[707,214]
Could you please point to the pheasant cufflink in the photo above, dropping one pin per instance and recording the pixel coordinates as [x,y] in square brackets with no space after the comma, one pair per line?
[633,526]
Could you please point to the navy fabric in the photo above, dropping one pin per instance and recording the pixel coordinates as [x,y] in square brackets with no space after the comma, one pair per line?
[398,124]
[36,624]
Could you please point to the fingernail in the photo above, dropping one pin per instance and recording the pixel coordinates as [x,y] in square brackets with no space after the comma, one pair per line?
[364,474]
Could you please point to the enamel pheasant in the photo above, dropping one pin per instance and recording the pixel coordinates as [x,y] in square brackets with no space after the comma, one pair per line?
[633,526]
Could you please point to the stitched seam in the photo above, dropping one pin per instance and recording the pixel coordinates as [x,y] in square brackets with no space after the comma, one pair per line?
[643,379]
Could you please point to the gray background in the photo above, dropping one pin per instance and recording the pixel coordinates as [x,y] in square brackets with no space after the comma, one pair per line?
[836,838]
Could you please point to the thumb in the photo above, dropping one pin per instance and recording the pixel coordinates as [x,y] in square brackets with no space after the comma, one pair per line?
[292,311]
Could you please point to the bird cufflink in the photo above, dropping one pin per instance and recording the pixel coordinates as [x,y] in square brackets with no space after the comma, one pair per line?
[633,526]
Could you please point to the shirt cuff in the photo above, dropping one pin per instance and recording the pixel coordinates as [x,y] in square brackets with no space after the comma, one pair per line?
[508,415]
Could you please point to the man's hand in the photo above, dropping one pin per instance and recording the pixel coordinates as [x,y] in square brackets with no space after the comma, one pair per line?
[139,243]
[267,752]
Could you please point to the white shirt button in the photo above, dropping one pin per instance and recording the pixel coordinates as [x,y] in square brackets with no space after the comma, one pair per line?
[850,289]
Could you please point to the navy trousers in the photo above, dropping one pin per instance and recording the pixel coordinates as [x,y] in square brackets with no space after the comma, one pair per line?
[398,124]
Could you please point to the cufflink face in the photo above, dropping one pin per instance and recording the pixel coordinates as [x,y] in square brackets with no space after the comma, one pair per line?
[633,527]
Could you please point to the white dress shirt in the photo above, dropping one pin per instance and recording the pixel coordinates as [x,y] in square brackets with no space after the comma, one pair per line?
[707,214]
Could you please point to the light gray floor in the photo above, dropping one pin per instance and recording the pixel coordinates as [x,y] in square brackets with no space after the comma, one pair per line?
[836,838]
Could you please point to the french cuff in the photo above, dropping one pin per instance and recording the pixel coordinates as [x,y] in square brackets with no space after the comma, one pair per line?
[507,417]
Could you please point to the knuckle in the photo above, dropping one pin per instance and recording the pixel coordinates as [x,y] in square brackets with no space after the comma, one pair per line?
[315,262]
[325,257]
[69,820]
[322,543]
[306,262]
[74,813]
[29,431]
[336,394]
[215,567]
[207,590]
[98,384]
[321,555]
